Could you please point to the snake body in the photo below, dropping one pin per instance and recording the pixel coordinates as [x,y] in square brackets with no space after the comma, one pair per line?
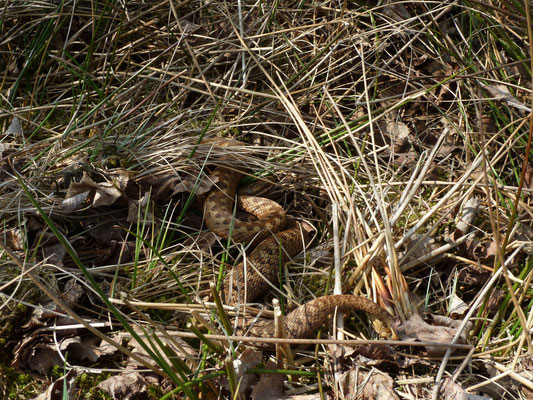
[249,280]
[218,210]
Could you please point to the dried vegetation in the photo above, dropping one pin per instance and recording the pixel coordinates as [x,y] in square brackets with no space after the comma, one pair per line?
[398,129]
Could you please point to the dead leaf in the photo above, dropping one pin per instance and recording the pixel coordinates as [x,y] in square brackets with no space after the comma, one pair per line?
[495,299]
[483,251]
[139,211]
[377,385]
[34,355]
[417,247]
[128,386]
[104,193]
[71,295]
[75,202]
[118,252]
[397,132]
[14,239]
[501,92]
[450,390]
[80,349]
[458,307]
[366,356]
[14,128]
[54,254]
[41,351]
[502,386]
[528,178]
[176,344]
[55,390]
[468,215]
[249,358]
[442,331]
[190,180]
[270,386]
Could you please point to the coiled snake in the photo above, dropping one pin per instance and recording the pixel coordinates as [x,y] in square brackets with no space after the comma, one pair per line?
[245,285]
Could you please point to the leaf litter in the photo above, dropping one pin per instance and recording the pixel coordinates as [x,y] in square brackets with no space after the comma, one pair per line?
[128,200]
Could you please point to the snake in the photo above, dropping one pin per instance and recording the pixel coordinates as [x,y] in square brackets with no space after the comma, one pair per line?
[279,239]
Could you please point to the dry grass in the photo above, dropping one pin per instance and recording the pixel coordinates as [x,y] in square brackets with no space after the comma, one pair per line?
[378,124]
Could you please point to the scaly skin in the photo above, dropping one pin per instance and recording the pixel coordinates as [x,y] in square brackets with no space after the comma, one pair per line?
[218,210]
[242,286]
[304,320]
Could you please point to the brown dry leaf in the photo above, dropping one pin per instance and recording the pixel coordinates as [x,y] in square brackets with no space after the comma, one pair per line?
[117,253]
[450,390]
[467,217]
[377,385]
[502,385]
[39,352]
[501,92]
[55,390]
[80,349]
[14,239]
[442,331]
[458,307]
[270,386]
[14,128]
[417,247]
[54,254]
[167,186]
[495,299]
[395,133]
[105,193]
[128,386]
[528,178]
[483,251]
[31,354]
[204,241]
[249,358]
[71,295]
[176,344]
[106,231]
[366,356]
[75,202]
[140,210]
[471,277]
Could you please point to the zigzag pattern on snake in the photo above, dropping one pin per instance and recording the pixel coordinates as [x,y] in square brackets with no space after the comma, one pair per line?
[245,285]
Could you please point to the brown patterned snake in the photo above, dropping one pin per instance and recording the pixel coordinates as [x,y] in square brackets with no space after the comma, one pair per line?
[241,286]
